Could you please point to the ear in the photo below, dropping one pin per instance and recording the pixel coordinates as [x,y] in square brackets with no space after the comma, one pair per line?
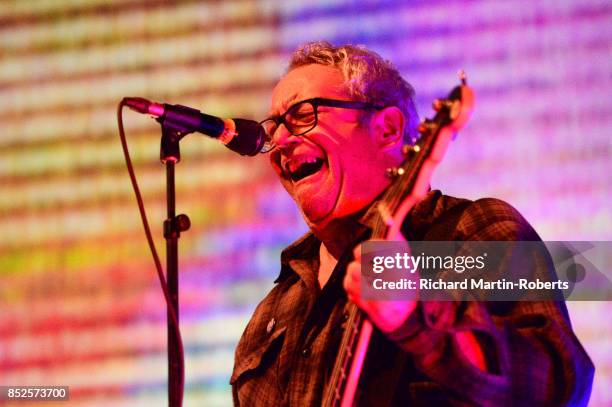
[388,127]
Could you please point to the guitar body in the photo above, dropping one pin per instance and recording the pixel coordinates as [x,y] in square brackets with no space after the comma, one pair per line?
[411,184]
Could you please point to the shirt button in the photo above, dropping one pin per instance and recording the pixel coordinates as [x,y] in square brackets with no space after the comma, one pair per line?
[270,326]
[305,352]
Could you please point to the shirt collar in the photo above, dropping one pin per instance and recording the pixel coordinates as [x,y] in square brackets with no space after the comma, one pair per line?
[306,248]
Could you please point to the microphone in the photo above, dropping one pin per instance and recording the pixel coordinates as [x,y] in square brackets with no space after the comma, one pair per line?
[246,137]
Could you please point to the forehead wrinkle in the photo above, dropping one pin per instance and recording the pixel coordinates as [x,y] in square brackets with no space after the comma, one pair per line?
[288,102]
[284,106]
[306,85]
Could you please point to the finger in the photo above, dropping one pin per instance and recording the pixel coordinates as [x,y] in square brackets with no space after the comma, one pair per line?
[352,281]
[357,253]
[351,277]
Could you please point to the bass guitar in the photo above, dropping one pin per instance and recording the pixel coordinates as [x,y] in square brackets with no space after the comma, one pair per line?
[410,184]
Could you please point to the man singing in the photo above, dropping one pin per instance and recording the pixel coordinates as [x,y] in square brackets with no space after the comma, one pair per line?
[339,119]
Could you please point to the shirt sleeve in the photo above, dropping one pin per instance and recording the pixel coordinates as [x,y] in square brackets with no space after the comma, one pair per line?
[532,355]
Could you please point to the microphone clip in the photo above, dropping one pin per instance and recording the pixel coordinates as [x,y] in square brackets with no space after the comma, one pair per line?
[171,136]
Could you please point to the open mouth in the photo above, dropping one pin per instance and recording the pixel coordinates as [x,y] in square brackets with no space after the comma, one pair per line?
[306,169]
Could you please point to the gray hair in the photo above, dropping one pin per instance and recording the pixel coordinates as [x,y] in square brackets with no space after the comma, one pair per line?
[368,78]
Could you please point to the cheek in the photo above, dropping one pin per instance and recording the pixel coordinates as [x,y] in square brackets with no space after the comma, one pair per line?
[275,164]
[360,178]
[275,160]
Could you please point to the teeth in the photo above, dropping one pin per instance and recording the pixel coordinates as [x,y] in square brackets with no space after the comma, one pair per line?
[295,163]
[306,168]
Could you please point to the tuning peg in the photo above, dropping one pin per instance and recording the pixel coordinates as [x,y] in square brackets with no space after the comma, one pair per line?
[425,127]
[410,150]
[439,104]
[462,76]
[395,172]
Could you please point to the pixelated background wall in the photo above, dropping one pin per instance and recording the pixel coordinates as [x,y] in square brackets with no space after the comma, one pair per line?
[80,304]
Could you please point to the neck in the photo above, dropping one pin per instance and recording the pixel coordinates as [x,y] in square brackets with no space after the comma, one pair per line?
[327,264]
[337,235]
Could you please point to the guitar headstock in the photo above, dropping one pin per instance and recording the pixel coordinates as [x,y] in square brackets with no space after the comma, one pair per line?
[452,112]
[411,180]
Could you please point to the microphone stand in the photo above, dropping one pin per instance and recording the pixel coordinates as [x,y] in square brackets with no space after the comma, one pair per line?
[173,226]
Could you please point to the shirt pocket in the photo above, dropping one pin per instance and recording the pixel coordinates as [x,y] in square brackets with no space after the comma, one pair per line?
[252,358]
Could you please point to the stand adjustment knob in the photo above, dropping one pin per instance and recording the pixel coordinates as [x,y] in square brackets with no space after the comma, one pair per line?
[174,227]
[183,222]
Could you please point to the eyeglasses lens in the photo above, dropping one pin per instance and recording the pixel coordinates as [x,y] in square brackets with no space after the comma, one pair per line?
[301,118]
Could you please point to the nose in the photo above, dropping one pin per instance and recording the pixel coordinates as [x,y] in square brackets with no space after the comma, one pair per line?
[284,139]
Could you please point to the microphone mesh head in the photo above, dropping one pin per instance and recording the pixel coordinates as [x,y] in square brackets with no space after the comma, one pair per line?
[250,138]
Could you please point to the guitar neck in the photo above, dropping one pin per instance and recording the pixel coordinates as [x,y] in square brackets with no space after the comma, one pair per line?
[411,183]
[344,359]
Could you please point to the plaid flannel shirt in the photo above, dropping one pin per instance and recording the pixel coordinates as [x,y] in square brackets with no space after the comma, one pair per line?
[287,351]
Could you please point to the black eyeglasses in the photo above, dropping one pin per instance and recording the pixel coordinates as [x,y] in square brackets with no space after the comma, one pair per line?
[302,116]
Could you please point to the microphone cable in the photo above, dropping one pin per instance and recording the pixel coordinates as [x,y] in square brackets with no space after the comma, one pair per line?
[158,266]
